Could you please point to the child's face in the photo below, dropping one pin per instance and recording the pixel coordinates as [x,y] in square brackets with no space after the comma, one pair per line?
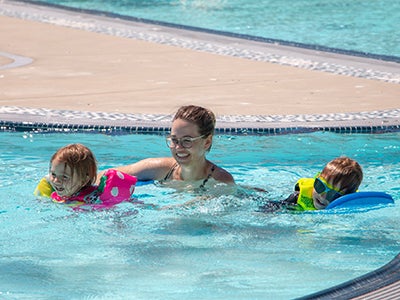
[324,192]
[61,179]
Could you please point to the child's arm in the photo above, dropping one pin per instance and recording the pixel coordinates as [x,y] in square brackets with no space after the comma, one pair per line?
[274,206]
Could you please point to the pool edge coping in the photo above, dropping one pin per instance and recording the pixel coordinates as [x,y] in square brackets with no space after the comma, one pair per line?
[14,118]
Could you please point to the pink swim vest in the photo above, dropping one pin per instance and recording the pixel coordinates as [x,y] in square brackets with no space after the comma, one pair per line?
[115,187]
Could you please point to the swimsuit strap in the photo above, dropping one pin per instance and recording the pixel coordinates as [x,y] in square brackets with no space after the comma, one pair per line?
[169,174]
[171,171]
[208,177]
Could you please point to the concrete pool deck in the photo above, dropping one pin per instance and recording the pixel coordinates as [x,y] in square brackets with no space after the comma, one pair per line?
[66,66]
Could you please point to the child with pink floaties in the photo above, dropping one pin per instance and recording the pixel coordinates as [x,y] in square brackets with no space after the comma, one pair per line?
[71,178]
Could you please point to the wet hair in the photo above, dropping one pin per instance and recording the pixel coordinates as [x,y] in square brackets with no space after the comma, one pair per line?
[202,117]
[345,172]
[80,159]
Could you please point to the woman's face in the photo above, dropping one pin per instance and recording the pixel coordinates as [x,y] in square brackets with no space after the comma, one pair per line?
[61,179]
[185,148]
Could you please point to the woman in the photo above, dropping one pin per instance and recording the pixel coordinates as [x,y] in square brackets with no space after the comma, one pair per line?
[190,139]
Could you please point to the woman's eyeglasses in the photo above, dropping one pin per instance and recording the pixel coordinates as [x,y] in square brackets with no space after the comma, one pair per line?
[185,142]
[320,186]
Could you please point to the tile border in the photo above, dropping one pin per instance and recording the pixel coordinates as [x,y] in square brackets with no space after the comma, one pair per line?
[13,118]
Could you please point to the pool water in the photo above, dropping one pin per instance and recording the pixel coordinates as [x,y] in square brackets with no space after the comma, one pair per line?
[219,248]
[357,25]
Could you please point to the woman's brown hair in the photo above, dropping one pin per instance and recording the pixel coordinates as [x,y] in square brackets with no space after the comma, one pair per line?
[202,117]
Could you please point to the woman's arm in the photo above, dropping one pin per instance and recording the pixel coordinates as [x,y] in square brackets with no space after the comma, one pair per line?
[146,169]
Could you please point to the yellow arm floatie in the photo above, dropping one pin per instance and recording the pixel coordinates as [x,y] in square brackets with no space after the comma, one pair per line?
[44,188]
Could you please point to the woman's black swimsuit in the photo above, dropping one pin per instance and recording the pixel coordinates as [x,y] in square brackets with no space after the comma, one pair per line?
[171,171]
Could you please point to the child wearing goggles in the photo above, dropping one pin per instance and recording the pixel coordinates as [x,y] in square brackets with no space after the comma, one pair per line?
[339,177]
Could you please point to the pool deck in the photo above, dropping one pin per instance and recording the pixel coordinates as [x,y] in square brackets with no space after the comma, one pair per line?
[63,66]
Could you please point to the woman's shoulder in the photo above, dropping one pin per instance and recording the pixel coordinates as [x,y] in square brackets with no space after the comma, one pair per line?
[222,175]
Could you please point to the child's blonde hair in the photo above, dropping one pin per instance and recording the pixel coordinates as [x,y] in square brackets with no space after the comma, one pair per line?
[345,172]
[80,159]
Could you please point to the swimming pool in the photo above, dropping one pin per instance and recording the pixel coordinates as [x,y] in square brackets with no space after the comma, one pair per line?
[363,26]
[219,249]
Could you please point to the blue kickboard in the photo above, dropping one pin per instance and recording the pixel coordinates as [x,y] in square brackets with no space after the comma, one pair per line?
[361,199]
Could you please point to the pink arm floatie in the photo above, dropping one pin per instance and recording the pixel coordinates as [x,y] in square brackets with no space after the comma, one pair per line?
[115,187]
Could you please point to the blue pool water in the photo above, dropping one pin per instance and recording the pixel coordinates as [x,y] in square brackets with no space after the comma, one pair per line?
[218,249]
[357,25]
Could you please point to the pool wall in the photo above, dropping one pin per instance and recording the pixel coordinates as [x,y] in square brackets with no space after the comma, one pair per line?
[383,283]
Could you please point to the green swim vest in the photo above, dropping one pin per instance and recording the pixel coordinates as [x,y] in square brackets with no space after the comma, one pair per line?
[305,187]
